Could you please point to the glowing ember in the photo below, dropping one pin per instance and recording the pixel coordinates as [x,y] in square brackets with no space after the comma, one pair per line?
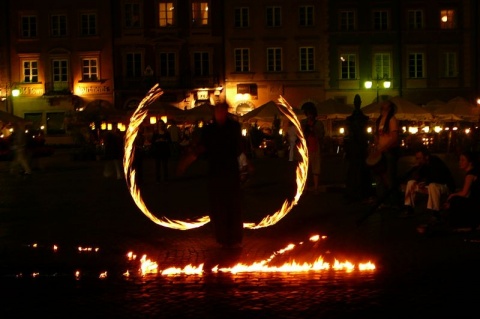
[103,275]
[137,119]
[263,266]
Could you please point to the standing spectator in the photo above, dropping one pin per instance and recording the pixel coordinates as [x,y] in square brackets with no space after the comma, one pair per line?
[175,136]
[314,133]
[113,143]
[358,182]
[19,147]
[431,177]
[387,144]
[161,151]
[292,138]
[220,142]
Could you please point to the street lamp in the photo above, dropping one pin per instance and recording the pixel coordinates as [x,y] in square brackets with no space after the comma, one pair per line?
[385,82]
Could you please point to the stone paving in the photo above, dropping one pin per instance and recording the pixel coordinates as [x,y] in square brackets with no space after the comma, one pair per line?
[70,204]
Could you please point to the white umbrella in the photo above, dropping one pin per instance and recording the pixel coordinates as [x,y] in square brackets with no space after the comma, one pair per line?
[458,109]
[268,112]
[405,110]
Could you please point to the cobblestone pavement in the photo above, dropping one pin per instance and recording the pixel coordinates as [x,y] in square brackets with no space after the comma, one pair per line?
[70,204]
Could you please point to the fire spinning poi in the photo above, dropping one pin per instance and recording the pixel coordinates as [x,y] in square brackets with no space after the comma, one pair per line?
[137,119]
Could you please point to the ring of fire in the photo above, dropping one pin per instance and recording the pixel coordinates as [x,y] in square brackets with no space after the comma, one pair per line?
[137,119]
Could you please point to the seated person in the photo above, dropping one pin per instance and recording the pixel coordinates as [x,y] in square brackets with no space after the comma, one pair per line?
[432,177]
[463,207]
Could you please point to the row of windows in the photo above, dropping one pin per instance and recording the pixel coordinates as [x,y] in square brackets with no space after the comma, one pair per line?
[58,25]
[381,19]
[348,67]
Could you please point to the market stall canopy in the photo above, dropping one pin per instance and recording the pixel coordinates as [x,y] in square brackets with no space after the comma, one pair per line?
[101,110]
[458,109]
[202,112]
[8,118]
[267,113]
[405,110]
[333,110]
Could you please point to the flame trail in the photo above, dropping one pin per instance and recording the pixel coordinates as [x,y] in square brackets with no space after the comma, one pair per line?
[137,119]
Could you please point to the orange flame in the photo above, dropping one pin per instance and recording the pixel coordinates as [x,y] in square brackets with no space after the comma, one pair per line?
[263,266]
[137,119]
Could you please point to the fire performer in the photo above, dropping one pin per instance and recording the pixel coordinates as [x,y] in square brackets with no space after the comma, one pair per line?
[220,143]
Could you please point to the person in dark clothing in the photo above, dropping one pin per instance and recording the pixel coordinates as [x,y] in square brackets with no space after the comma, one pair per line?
[161,151]
[432,177]
[358,182]
[113,142]
[463,207]
[220,145]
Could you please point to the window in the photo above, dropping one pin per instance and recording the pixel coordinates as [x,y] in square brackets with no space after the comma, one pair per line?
[415,65]
[449,64]
[305,16]
[59,25]
[56,123]
[133,65]
[132,14]
[274,16]
[30,71]
[380,20]
[60,74]
[29,26]
[165,14]
[347,20]
[307,59]
[90,69]
[274,59]
[447,19]
[167,64]
[241,18]
[415,19]
[199,13]
[383,65]
[88,24]
[201,63]
[242,60]
[348,66]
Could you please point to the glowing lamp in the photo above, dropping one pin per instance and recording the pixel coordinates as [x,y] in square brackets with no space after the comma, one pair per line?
[153,120]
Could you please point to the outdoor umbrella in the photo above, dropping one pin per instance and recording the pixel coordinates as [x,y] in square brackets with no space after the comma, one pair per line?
[202,112]
[267,113]
[457,109]
[333,110]
[405,110]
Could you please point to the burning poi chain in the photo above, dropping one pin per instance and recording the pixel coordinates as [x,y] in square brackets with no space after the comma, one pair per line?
[137,119]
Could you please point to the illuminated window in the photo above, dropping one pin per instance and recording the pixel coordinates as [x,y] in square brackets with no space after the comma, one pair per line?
[30,71]
[59,25]
[89,69]
[274,59]
[199,13]
[447,19]
[60,74]
[166,11]
[241,17]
